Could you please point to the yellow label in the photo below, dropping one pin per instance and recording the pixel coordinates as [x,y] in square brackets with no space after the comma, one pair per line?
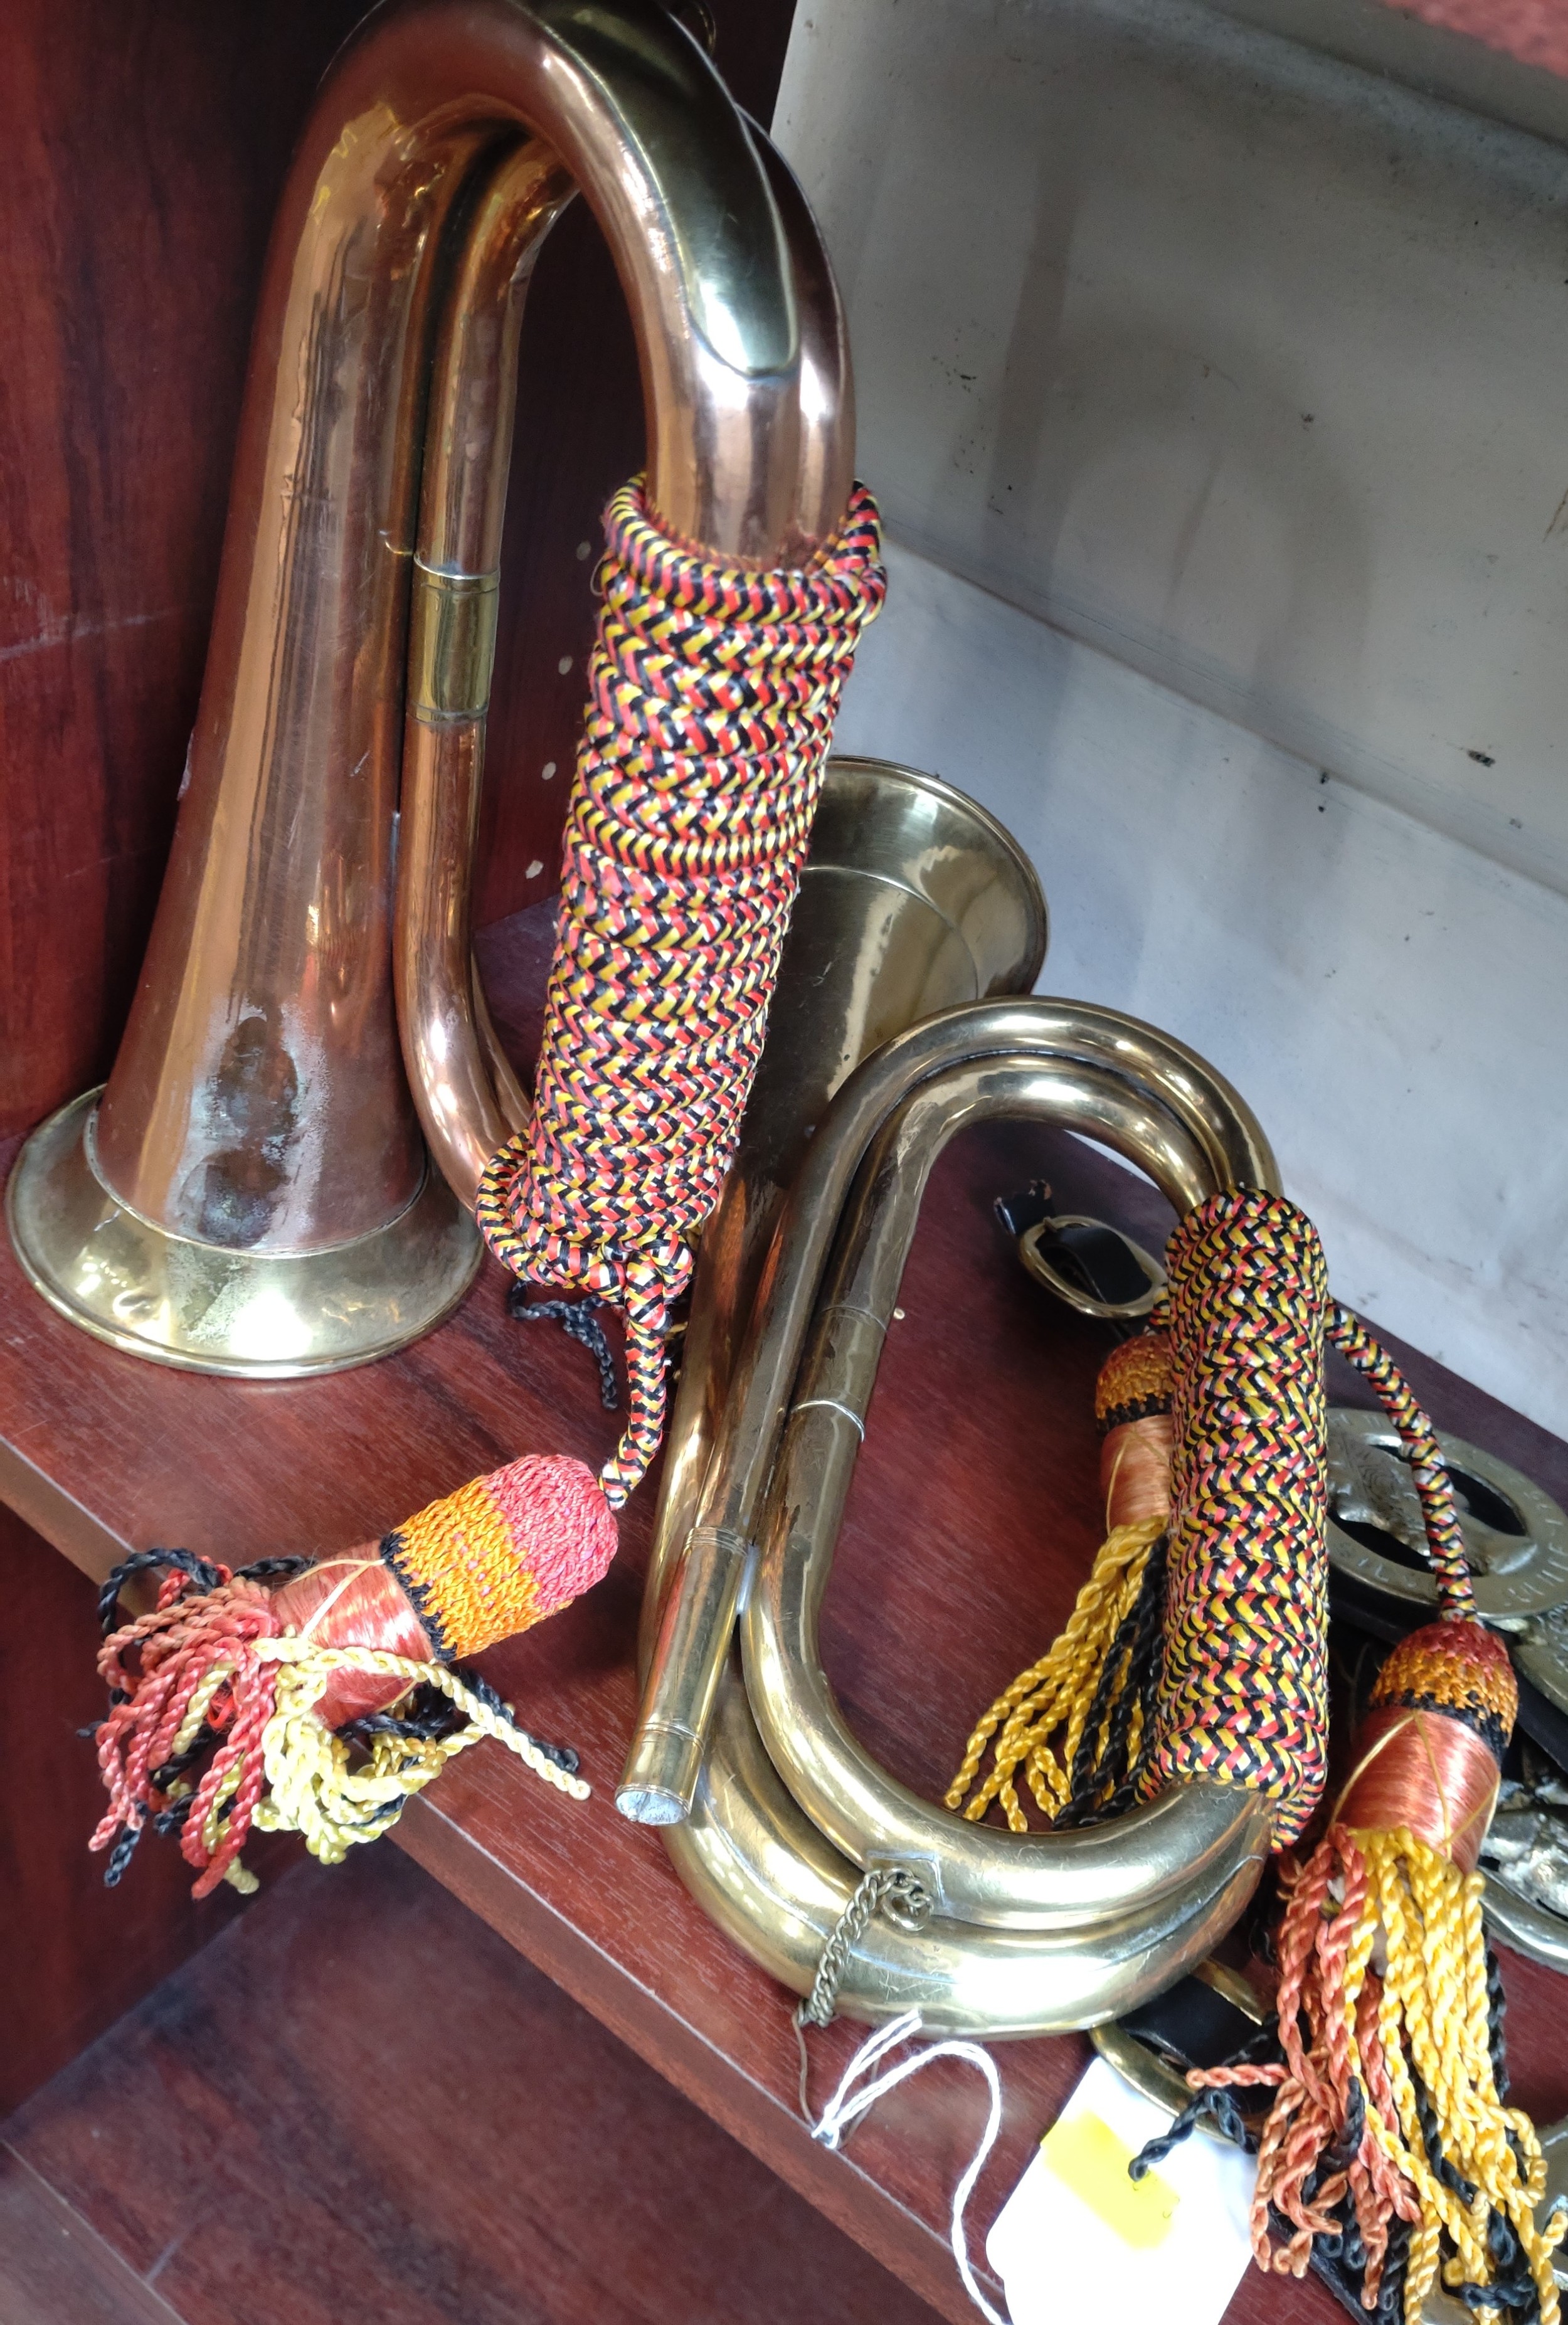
[1087,2157]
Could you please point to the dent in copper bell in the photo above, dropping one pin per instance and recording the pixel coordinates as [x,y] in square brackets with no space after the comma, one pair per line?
[276,1177]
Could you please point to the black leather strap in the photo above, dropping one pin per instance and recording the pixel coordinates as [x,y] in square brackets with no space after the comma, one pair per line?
[1192,2024]
[1016,1214]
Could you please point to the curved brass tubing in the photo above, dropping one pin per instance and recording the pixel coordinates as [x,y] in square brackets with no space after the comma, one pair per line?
[914,898]
[697,1619]
[974,1872]
[759,1867]
[1029,1933]
[252,1193]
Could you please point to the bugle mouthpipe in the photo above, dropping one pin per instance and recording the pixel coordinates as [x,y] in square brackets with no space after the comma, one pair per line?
[913,899]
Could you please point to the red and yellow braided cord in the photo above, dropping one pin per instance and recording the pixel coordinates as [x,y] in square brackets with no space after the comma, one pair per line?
[712,693]
[1244,1694]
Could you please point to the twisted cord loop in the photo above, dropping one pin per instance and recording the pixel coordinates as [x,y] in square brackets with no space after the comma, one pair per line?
[314,1785]
[1428,1471]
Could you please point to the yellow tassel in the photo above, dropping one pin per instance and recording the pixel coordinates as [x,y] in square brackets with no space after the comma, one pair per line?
[1043,1715]
[1385,2015]
[1053,1696]
[313,1786]
[1434,2015]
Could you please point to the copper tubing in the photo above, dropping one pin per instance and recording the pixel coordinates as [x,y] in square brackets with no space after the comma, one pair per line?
[258,1102]
[1135,1471]
[468,1099]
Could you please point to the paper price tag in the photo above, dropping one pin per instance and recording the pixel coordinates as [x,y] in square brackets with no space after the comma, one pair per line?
[1077,2236]
[1086,2155]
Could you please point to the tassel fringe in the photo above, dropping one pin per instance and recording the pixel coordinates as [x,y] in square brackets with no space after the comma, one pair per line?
[1054,1698]
[1389,2094]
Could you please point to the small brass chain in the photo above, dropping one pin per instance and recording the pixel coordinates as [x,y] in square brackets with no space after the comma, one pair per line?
[885,1885]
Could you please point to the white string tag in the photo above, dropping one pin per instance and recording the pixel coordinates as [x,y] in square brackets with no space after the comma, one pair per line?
[849,2104]
[1076,2237]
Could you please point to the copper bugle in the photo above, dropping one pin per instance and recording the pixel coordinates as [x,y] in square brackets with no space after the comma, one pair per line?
[251,1193]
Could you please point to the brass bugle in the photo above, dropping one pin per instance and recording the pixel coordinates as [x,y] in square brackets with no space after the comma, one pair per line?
[1026,1933]
[699,1606]
[974,1872]
[251,1193]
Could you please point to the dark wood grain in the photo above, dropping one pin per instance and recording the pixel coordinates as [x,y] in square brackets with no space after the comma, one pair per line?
[72,1955]
[362,2108]
[55,2269]
[973,1517]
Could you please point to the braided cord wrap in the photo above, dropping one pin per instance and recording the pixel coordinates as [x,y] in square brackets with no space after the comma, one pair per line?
[712,695]
[1244,1692]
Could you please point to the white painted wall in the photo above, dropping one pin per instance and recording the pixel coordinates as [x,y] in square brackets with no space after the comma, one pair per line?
[1389,1003]
[1102,258]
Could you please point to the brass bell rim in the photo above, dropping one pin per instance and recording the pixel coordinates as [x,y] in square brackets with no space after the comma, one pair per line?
[215,1308]
[899,783]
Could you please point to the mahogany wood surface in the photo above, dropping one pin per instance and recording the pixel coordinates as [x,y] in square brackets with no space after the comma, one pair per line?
[72,1955]
[973,1517]
[146,144]
[361,2108]
[55,2269]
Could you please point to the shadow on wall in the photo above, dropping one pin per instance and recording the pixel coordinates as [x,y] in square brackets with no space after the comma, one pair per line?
[1097,426]
[1239,361]
[1387,1000]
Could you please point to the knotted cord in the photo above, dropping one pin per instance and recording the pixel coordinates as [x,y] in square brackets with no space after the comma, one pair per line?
[1445,1550]
[1243,1695]
[314,1786]
[1389,2100]
[1240,1693]
[1046,1716]
[261,1678]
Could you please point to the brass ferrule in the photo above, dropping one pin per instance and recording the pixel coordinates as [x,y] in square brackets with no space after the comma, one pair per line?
[451,643]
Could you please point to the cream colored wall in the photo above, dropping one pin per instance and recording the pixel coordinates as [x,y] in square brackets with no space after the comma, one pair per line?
[1216,390]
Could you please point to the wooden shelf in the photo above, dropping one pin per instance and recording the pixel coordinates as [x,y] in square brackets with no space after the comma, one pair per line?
[973,1517]
[400,2123]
